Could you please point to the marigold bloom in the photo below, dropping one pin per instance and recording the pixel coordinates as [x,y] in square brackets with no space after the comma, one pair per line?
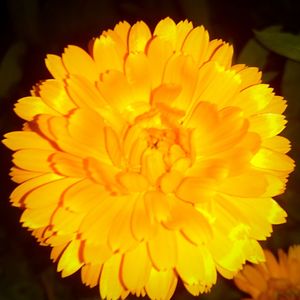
[273,279]
[150,159]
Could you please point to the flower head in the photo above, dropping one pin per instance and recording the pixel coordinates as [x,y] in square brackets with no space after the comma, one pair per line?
[273,279]
[150,159]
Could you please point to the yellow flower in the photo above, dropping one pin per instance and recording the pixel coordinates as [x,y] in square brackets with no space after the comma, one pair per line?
[273,280]
[150,159]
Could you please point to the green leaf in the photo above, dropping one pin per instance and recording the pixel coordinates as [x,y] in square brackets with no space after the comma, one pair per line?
[290,87]
[10,69]
[282,43]
[253,54]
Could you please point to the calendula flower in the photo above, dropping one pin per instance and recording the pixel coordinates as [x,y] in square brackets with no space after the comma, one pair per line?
[149,160]
[274,279]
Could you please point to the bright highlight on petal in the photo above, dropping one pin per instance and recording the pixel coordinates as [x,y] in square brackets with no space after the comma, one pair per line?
[150,160]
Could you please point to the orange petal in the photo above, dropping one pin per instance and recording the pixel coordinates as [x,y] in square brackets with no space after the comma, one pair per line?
[106,55]
[76,59]
[55,66]
[90,274]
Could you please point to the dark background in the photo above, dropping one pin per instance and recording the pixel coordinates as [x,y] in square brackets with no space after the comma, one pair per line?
[32,28]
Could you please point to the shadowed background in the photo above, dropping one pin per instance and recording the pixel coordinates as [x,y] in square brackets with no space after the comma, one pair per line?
[264,34]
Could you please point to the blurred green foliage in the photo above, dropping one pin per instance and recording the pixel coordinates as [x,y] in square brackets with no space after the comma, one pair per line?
[265,34]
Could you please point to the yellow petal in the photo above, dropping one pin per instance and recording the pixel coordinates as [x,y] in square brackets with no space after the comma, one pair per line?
[195,264]
[57,251]
[19,175]
[48,194]
[139,35]
[277,143]
[161,284]
[36,218]
[244,186]
[91,225]
[276,106]
[253,99]
[122,29]
[70,262]
[17,140]
[67,165]
[153,165]
[268,159]
[163,249]
[29,107]
[24,160]
[142,226]
[182,71]
[84,196]
[136,268]
[157,206]
[223,55]
[193,189]
[191,223]
[90,274]
[183,28]
[137,71]
[120,237]
[106,55]
[249,76]
[55,66]
[267,125]
[166,29]
[95,254]
[76,59]
[216,85]
[113,147]
[196,44]
[158,52]
[65,221]
[17,196]
[110,285]
[53,93]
